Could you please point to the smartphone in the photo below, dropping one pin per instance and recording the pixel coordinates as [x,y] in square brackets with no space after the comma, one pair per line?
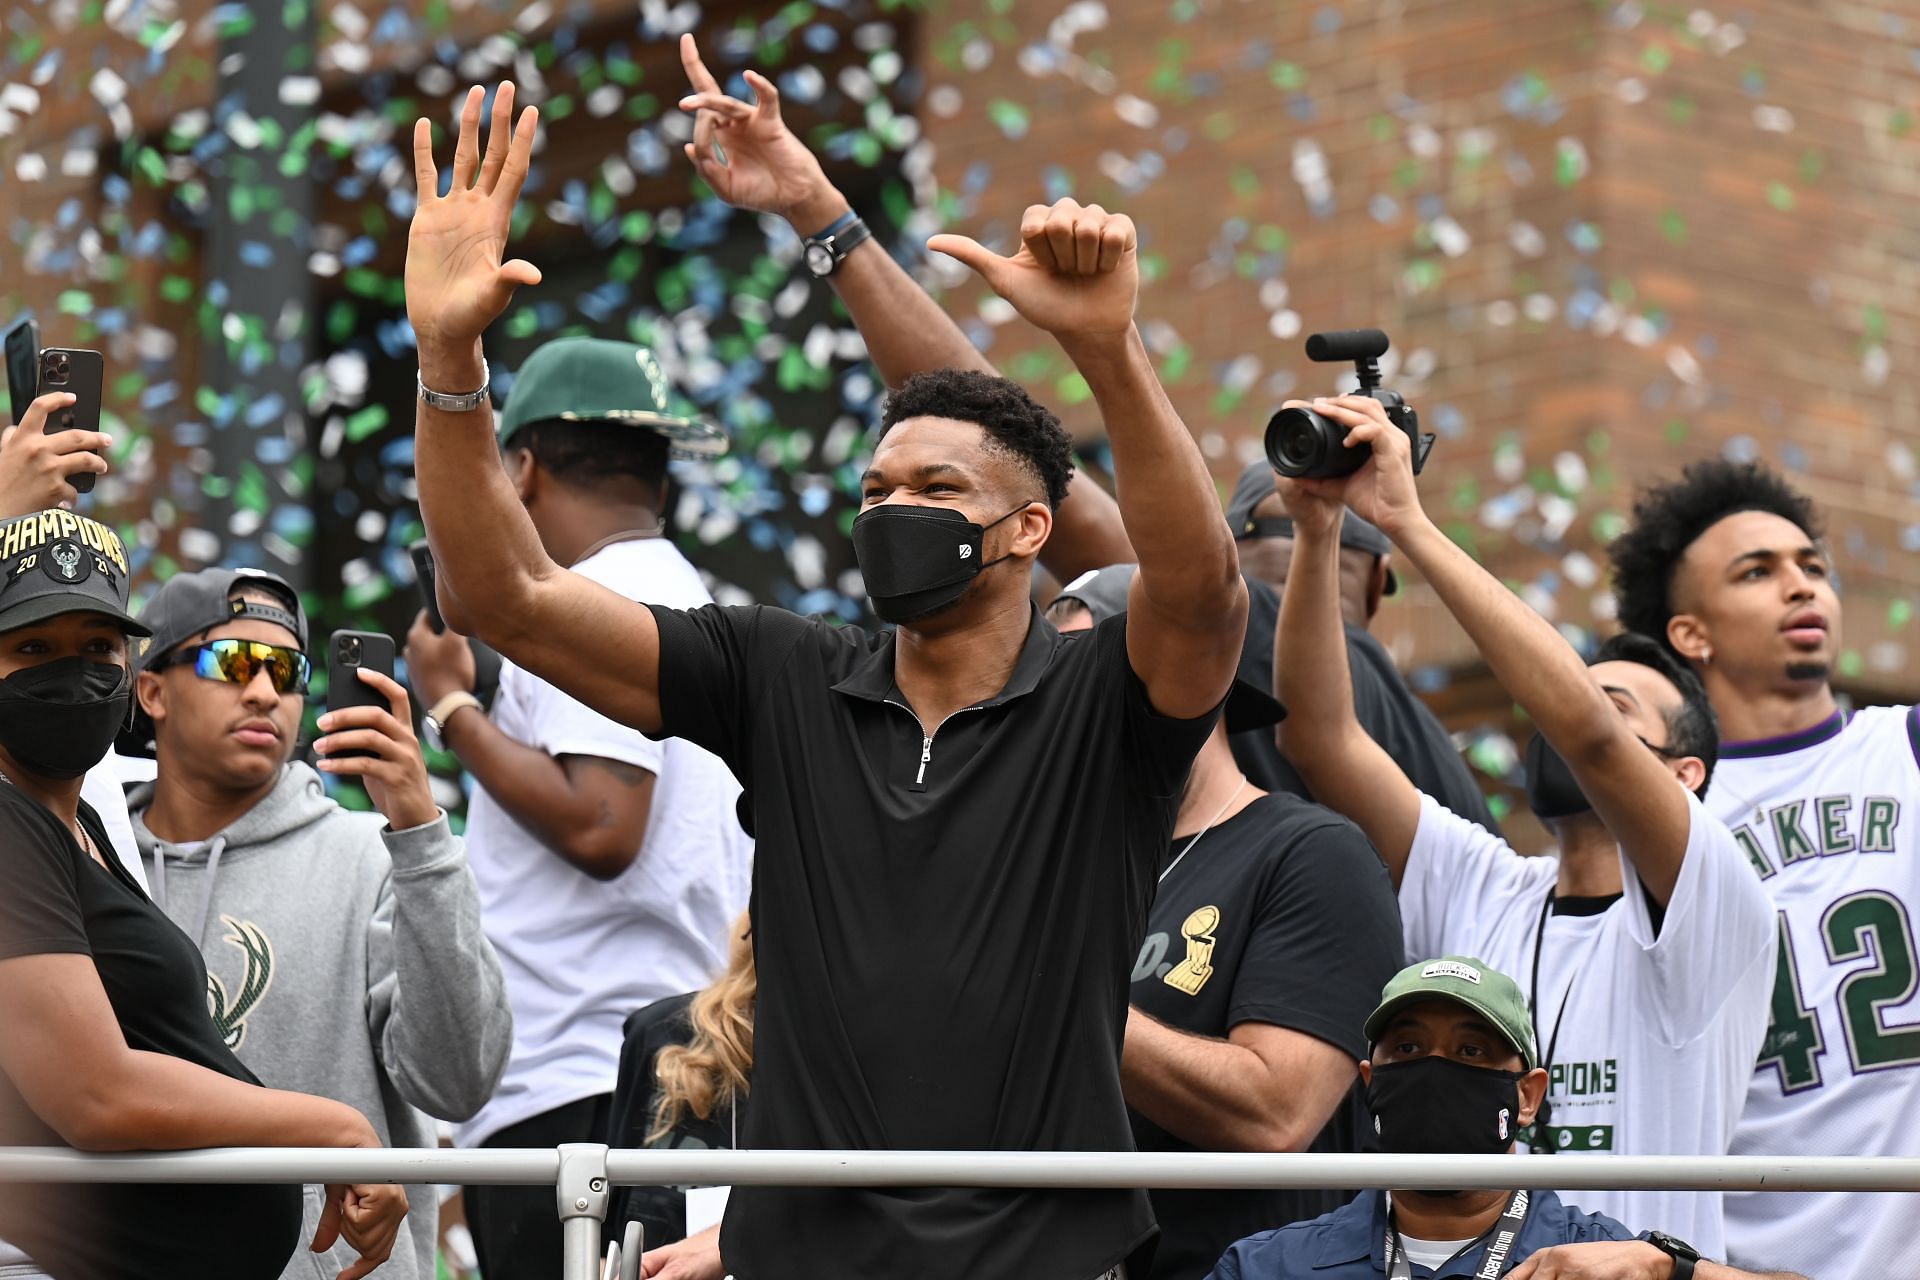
[23,366]
[347,653]
[83,373]
[423,578]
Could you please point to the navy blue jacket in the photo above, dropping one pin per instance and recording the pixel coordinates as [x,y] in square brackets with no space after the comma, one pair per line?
[1350,1242]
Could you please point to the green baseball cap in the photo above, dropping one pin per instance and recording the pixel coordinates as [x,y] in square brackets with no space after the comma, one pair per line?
[598,380]
[1463,980]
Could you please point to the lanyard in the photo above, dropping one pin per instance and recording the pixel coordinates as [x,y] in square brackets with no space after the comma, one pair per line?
[1500,1240]
[1543,1140]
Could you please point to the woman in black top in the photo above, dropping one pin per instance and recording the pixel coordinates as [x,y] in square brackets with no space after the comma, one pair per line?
[105,1039]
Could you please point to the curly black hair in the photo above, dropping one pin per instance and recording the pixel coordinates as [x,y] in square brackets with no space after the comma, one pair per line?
[1018,425]
[595,454]
[1692,728]
[1668,518]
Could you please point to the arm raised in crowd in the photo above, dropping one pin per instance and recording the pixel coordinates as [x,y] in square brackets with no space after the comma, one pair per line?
[37,466]
[1322,737]
[1629,787]
[1263,1088]
[1076,275]
[746,153]
[596,645]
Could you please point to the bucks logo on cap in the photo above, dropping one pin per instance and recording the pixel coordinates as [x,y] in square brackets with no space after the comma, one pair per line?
[54,562]
[597,380]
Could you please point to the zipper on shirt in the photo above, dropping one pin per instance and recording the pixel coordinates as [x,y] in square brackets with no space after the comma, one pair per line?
[926,740]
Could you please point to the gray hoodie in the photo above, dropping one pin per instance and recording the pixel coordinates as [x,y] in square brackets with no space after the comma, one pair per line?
[344,960]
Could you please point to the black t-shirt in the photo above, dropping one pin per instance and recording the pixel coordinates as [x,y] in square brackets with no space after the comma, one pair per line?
[1387,709]
[1282,914]
[661,1210]
[55,900]
[943,929]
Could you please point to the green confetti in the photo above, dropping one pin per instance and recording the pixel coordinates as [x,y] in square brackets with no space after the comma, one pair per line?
[366,422]
[1780,196]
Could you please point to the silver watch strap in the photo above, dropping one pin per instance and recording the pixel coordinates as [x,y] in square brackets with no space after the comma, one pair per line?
[462,403]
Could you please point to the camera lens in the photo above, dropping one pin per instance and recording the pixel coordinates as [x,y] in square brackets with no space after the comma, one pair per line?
[1305,446]
[350,649]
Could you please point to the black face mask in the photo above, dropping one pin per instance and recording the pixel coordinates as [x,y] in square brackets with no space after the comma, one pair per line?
[59,719]
[1552,791]
[918,560]
[1435,1106]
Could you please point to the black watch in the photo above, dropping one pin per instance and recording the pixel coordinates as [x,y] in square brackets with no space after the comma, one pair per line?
[827,250]
[1683,1254]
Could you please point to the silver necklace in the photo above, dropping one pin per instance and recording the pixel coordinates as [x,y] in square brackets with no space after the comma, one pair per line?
[625,535]
[79,831]
[1211,824]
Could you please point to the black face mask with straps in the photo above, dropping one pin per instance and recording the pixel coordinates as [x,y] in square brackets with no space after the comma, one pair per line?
[58,720]
[1436,1106]
[918,560]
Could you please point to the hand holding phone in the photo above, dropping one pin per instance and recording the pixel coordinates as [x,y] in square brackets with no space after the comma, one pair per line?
[41,469]
[347,653]
[82,374]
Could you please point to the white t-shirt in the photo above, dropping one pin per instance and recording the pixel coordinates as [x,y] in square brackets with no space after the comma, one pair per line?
[1831,816]
[1658,1035]
[581,954]
[103,789]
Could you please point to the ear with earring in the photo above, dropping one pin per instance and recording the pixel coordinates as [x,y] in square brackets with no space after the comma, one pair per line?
[1706,657]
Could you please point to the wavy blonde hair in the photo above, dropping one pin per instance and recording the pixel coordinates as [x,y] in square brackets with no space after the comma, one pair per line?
[715,1068]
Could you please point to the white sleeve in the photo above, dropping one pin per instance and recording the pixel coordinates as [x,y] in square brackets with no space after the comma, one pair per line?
[1717,939]
[101,789]
[1460,880]
[564,726]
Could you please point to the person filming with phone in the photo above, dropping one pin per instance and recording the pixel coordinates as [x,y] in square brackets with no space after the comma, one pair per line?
[344,950]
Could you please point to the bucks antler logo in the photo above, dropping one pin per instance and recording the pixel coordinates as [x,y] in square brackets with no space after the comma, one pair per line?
[231,1016]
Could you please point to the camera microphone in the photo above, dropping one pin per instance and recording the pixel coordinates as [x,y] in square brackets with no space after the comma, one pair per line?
[1346,344]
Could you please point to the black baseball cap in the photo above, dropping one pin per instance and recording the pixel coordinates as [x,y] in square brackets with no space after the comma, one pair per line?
[1250,702]
[190,603]
[1256,483]
[56,562]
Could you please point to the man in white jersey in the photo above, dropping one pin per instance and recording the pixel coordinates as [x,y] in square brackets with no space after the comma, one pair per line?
[1726,566]
[610,866]
[1646,948]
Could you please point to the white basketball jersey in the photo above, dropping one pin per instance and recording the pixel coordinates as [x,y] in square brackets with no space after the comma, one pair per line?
[1830,818]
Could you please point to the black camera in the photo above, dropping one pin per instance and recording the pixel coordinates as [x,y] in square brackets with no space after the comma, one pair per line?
[1304,445]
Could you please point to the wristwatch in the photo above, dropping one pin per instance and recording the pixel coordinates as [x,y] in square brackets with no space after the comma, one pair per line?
[1683,1254]
[827,250]
[433,725]
[461,403]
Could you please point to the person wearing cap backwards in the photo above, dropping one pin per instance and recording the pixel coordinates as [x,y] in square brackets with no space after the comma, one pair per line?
[344,949]
[108,1043]
[958,821]
[1404,726]
[1648,943]
[600,853]
[1452,1069]
[1272,930]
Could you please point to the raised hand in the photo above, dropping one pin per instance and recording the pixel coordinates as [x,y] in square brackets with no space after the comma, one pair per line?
[456,282]
[1076,273]
[746,153]
[37,465]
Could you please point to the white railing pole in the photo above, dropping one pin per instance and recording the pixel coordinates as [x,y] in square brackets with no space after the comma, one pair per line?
[581,1196]
[973,1168]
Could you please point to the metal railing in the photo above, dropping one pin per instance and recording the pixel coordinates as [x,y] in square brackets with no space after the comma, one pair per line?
[583,1174]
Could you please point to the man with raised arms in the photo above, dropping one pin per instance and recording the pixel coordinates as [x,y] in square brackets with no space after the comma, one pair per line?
[958,821]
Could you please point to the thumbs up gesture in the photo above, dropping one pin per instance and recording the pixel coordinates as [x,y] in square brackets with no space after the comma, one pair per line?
[1076,273]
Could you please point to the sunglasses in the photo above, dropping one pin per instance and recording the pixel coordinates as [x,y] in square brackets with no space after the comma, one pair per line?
[239,661]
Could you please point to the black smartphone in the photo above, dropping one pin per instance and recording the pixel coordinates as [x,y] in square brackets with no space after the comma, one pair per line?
[84,374]
[23,366]
[423,578]
[347,653]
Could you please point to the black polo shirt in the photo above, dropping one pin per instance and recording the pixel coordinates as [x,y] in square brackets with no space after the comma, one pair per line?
[943,927]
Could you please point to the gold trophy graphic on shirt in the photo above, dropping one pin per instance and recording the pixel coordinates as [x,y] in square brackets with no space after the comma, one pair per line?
[1192,973]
